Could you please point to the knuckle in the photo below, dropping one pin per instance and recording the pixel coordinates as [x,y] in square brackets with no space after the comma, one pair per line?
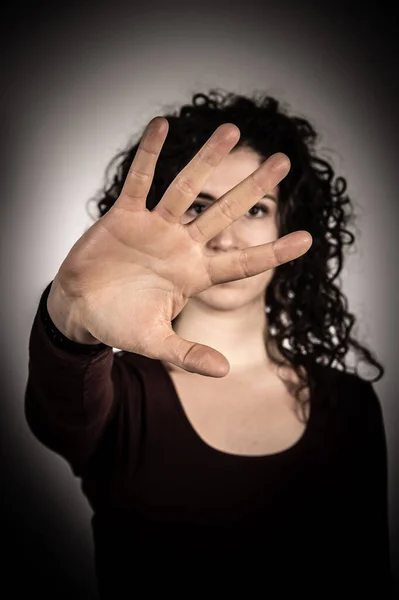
[275,260]
[209,274]
[149,151]
[243,258]
[209,155]
[137,174]
[194,229]
[165,213]
[255,186]
[184,186]
[225,209]
[131,197]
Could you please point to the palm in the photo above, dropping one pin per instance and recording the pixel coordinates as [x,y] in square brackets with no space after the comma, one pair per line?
[165,251]
[142,270]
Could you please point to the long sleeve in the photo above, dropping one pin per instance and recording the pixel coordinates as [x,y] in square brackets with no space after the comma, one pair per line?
[370,502]
[69,397]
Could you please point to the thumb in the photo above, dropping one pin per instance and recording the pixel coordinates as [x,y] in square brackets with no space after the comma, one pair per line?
[193,357]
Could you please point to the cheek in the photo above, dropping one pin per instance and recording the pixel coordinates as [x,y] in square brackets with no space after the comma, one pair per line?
[258,283]
[261,231]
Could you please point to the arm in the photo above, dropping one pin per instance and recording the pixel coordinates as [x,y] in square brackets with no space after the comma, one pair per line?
[371,504]
[69,396]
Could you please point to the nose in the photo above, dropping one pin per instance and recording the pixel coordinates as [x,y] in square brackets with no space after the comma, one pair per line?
[224,241]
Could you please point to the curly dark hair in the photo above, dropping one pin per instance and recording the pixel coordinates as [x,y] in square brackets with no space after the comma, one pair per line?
[308,317]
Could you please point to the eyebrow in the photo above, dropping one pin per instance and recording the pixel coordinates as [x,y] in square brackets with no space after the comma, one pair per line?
[207,196]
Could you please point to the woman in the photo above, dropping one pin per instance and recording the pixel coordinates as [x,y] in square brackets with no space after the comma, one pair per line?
[225,443]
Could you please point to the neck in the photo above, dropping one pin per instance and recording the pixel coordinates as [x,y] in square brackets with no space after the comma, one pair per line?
[239,334]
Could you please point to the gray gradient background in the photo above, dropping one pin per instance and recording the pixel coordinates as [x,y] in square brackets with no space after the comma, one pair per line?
[78,85]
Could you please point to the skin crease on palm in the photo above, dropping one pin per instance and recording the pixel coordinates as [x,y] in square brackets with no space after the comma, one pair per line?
[231,317]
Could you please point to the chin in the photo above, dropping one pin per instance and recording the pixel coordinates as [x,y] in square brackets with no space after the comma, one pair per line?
[227,296]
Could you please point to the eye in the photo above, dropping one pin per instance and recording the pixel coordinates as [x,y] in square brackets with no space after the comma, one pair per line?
[195,205]
[257,207]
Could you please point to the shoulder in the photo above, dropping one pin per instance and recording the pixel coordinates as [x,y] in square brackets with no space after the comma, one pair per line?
[354,400]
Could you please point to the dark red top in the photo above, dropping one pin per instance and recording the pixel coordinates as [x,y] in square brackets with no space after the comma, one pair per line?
[171,511]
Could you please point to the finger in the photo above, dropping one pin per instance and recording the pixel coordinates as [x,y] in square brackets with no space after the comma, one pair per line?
[239,199]
[138,181]
[239,264]
[191,356]
[188,183]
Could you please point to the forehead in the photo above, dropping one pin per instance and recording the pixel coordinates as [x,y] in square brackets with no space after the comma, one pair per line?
[234,168]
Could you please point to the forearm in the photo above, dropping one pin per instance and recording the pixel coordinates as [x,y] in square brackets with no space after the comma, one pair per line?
[69,395]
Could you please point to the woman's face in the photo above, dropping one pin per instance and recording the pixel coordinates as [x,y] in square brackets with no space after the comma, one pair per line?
[255,227]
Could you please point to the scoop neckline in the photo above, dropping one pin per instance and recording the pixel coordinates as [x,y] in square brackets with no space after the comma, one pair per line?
[294,448]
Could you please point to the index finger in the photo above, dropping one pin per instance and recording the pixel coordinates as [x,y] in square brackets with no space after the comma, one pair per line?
[240,198]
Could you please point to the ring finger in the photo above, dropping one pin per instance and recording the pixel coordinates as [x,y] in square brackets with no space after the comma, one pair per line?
[188,183]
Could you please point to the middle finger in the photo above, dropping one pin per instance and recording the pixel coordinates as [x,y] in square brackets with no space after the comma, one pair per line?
[188,183]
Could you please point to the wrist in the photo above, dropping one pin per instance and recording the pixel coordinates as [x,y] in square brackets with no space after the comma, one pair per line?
[64,315]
